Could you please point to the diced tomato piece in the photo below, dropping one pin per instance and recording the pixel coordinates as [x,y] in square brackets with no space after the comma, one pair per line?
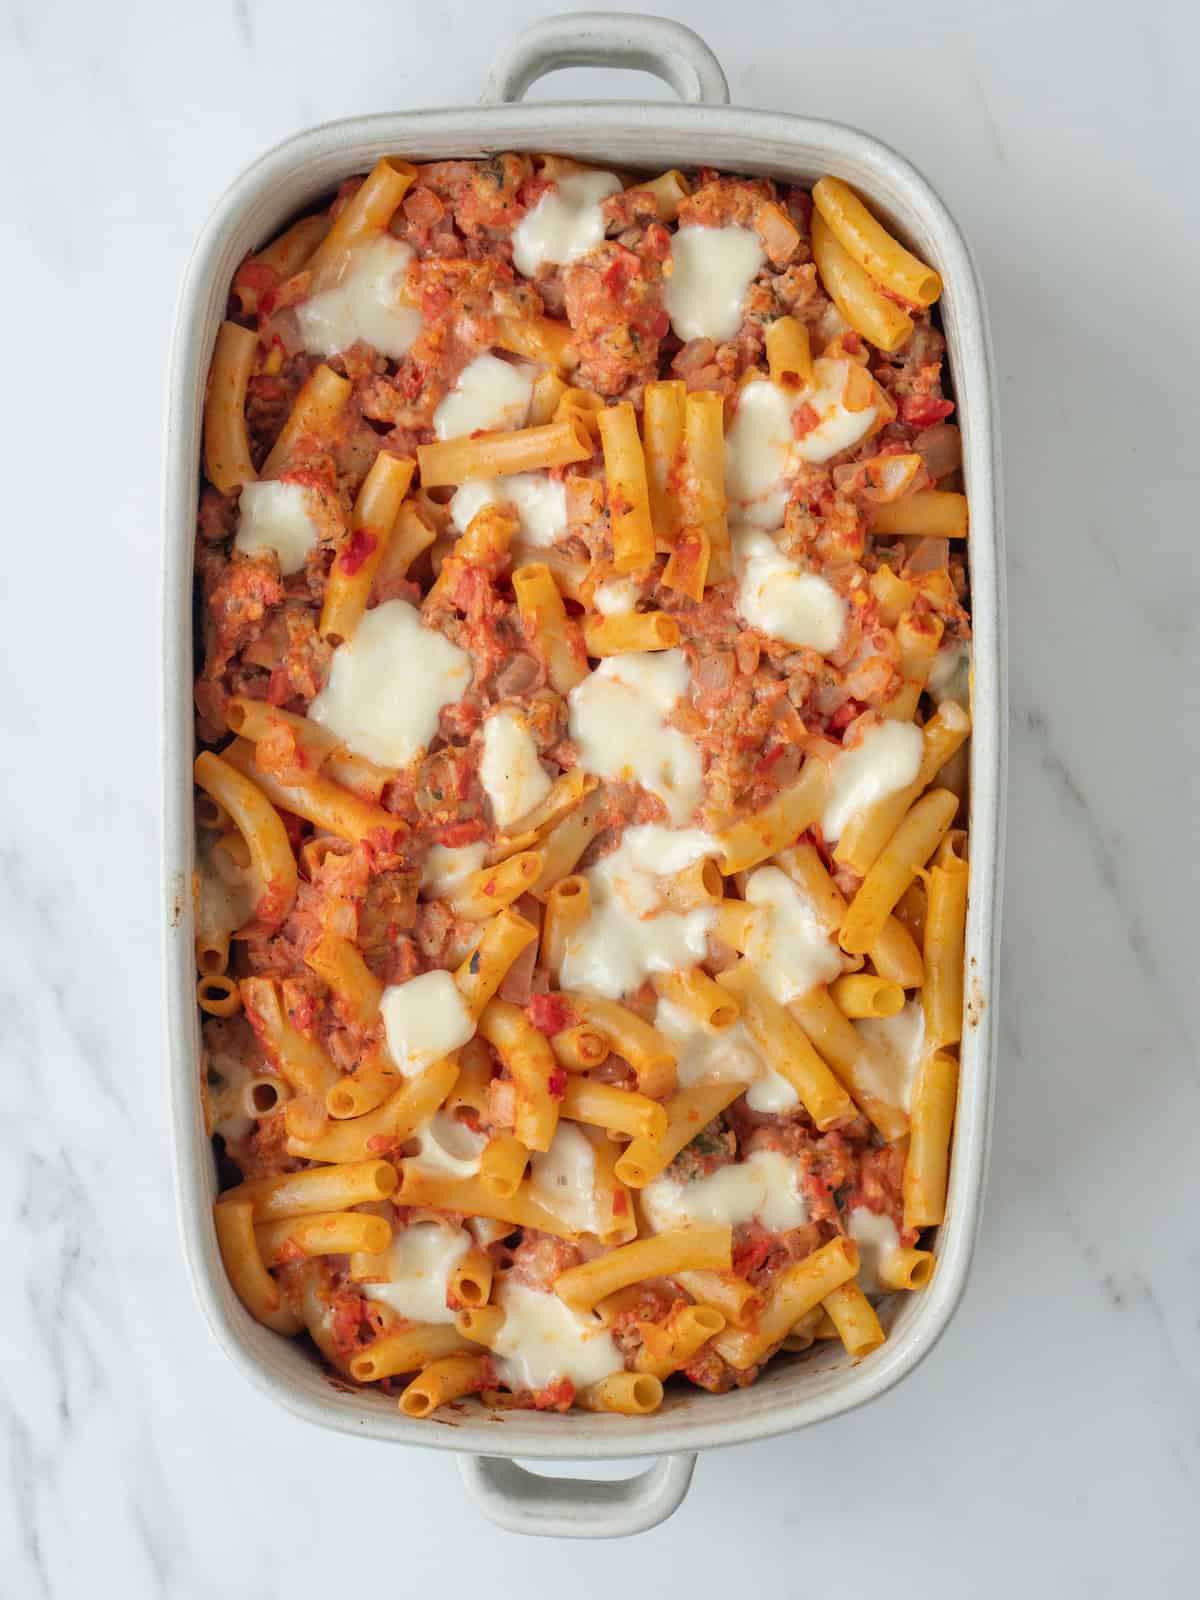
[362,543]
[922,410]
[804,420]
[454,834]
[549,1013]
[556,1084]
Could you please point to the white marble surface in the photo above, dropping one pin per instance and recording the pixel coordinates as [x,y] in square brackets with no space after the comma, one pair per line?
[1053,1440]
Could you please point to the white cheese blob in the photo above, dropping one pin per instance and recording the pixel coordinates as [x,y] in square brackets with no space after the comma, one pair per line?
[228,1106]
[758,454]
[766,1185]
[618,721]
[367,304]
[541,1339]
[762,452]
[512,776]
[565,224]
[886,759]
[388,684]
[447,1147]
[563,1179]
[539,501]
[790,948]
[420,1260]
[446,866]
[838,428]
[226,894]
[711,269]
[722,1055]
[616,597]
[950,675]
[899,1044]
[424,1019]
[877,1239]
[629,933]
[800,608]
[488,395]
[276,516]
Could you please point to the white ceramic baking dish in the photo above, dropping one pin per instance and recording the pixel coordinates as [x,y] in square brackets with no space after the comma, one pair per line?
[704,129]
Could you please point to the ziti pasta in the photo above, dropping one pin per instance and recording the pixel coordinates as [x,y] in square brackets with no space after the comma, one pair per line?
[585,644]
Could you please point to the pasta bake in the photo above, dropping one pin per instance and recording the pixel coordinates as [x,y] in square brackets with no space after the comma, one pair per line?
[582,710]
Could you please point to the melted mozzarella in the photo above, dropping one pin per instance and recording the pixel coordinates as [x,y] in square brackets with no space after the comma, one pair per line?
[513,777]
[722,1055]
[446,866]
[899,1044]
[227,1094]
[618,720]
[565,224]
[838,427]
[387,685]
[616,597]
[539,501]
[766,1185]
[424,1019]
[420,1260]
[707,1054]
[887,758]
[791,949]
[711,269]
[563,1178]
[629,933]
[226,894]
[489,394]
[541,1339]
[876,1238]
[368,304]
[276,516]
[762,453]
[758,454]
[447,1147]
[800,608]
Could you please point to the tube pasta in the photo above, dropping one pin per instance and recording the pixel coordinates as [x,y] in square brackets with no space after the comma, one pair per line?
[732,1297]
[348,586]
[261,827]
[497,455]
[583,1286]
[302,1061]
[869,244]
[851,1057]
[670,190]
[631,1036]
[470,1281]
[397,1119]
[568,904]
[699,995]
[480,1323]
[408,1349]
[689,1111]
[547,627]
[217,995]
[321,1234]
[502,1165]
[620,1110]
[796,1290]
[767,832]
[662,430]
[866,310]
[904,1268]
[321,401]
[630,1394]
[687,568]
[853,1315]
[927,514]
[565,843]
[631,630]
[913,842]
[367,213]
[528,1056]
[317,1189]
[704,455]
[895,955]
[441,1382]
[319,800]
[788,354]
[368,1086]
[678,1339]
[579,1048]
[628,493]
[227,460]
[503,938]
[252,1283]
[926,1169]
[341,965]
[485,892]
[945,937]
[468,1196]
[864,994]
[538,339]
[786,1047]
[865,835]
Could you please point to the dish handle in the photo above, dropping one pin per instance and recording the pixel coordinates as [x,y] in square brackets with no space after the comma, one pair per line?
[577,1508]
[609,39]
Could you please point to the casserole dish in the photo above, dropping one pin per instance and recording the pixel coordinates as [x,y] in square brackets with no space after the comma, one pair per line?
[703,130]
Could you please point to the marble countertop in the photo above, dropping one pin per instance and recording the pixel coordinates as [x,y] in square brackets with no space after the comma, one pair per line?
[1052,1440]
